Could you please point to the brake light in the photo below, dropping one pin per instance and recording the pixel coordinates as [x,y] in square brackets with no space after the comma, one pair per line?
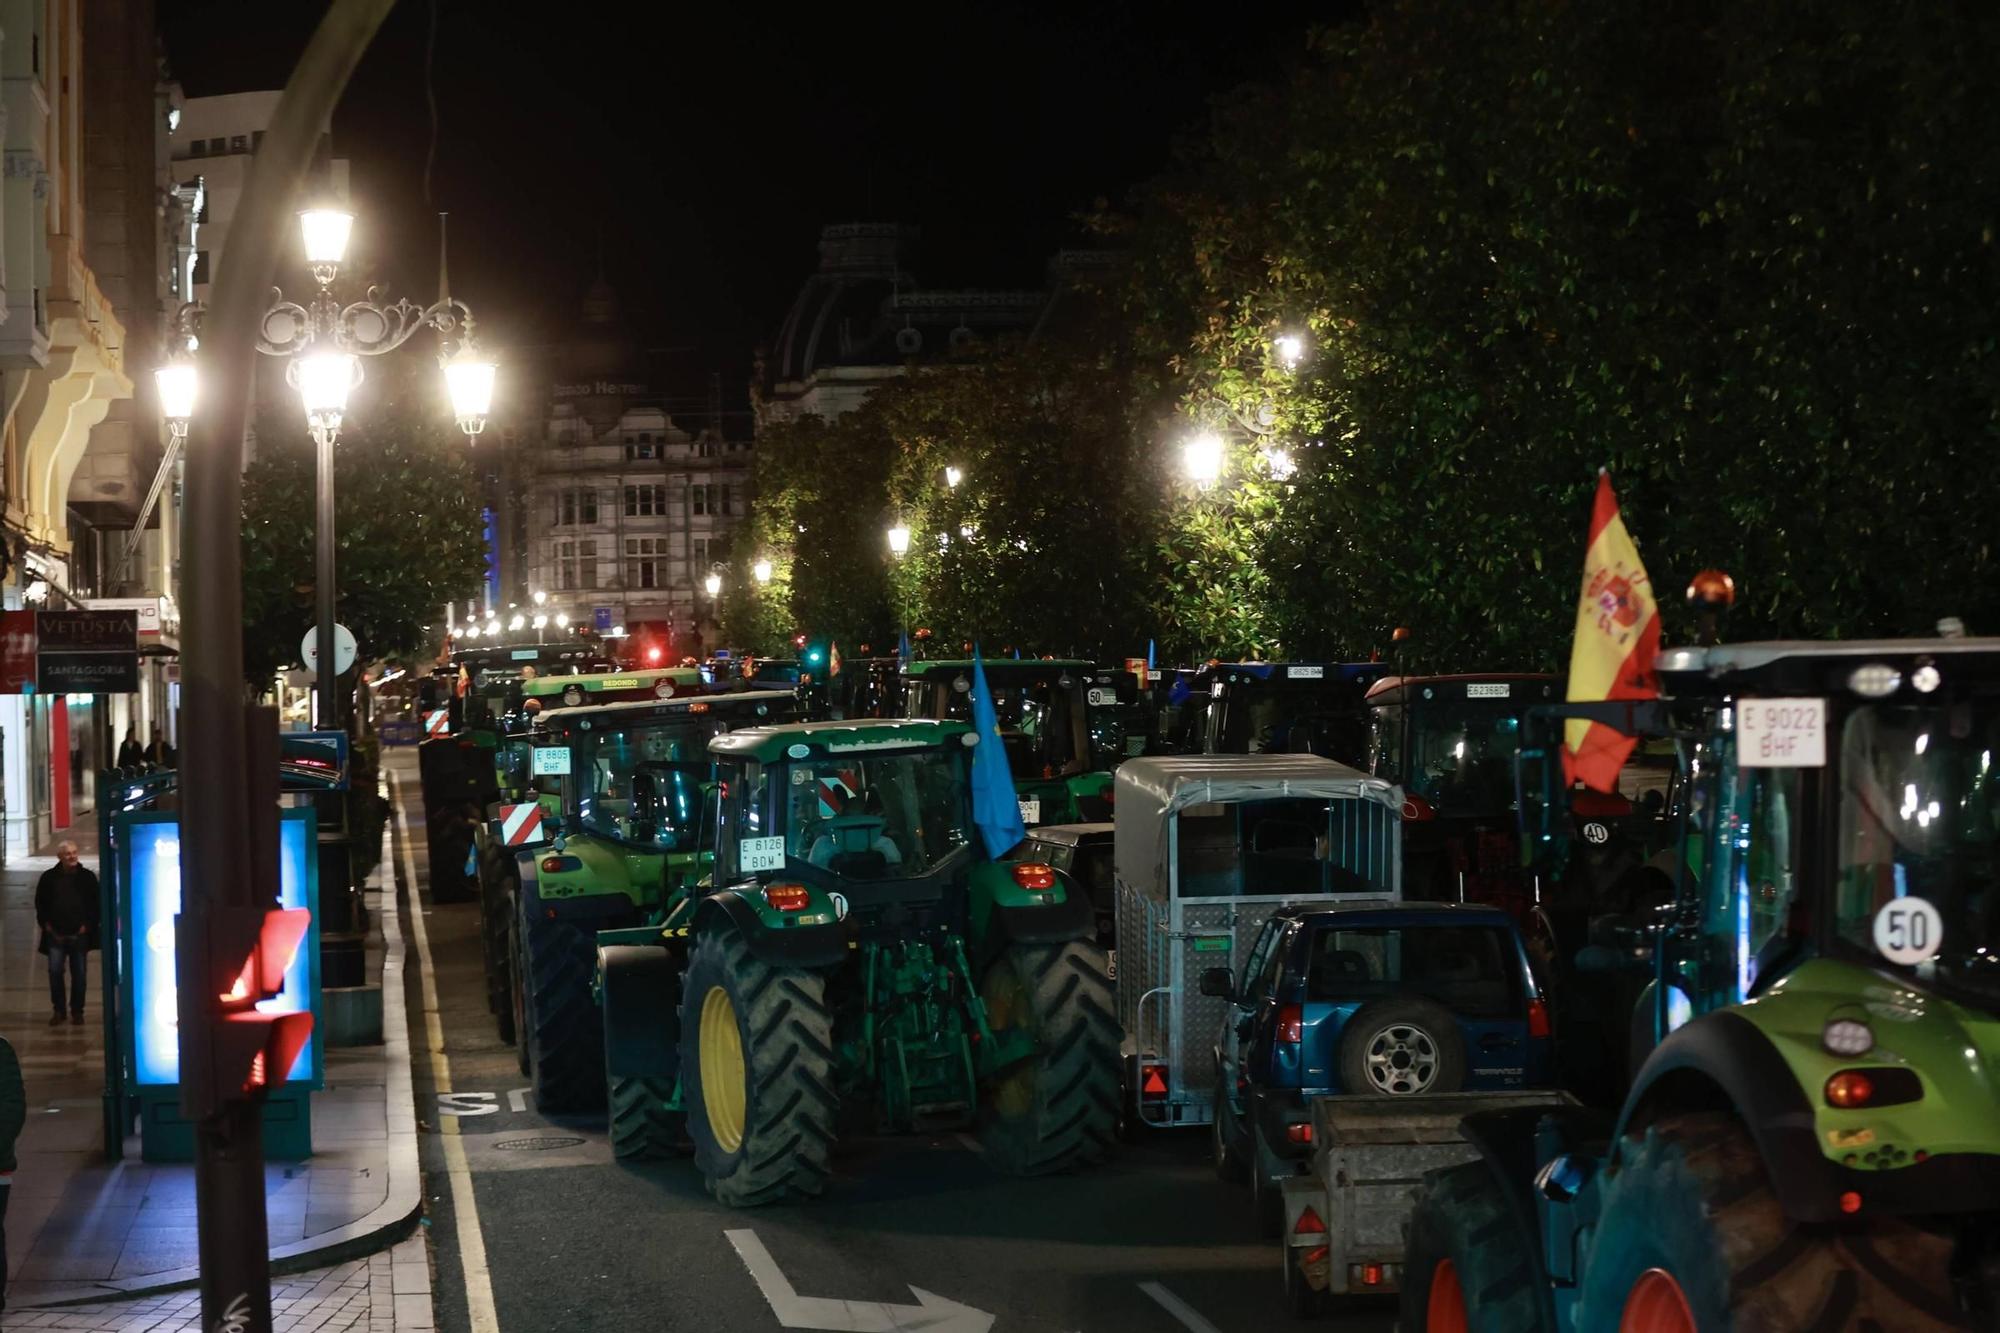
[1309,1223]
[1036,875]
[1371,1275]
[1850,1202]
[787,897]
[1538,1019]
[1849,1088]
[1291,1023]
[1299,1133]
[555,865]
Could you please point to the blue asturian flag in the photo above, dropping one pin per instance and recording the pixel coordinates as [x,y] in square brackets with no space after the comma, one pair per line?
[1150,668]
[994,807]
[903,649]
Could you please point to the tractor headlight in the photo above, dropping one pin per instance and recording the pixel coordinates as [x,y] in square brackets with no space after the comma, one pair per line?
[1875,680]
[1848,1037]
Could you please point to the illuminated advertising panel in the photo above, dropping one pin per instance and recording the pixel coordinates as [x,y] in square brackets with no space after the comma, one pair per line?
[152,872]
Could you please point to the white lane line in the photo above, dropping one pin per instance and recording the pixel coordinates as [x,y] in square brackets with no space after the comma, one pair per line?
[479,1307]
[1189,1316]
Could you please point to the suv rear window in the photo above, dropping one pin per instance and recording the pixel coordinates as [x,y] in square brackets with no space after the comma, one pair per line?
[1471,970]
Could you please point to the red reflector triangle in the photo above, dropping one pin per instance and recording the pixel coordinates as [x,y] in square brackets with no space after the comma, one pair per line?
[1154,1086]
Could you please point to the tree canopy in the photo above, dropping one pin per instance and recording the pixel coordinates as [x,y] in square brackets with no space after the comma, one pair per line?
[1742,256]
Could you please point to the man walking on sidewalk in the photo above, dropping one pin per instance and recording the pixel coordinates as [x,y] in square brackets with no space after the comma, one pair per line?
[13,1115]
[66,908]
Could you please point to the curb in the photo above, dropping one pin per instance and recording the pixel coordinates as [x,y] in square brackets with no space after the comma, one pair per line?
[396,1217]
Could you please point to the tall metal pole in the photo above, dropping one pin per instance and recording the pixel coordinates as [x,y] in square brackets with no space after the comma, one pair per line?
[325,677]
[216,806]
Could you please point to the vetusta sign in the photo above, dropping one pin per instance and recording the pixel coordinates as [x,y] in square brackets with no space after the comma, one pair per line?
[69,652]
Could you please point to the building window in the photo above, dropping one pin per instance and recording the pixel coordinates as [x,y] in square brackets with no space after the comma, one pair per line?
[239,143]
[645,501]
[200,274]
[642,568]
[576,506]
[727,497]
[217,147]
[196,148]
[700,557]
[698,499]
[641,448]
[707,448]
[576,564]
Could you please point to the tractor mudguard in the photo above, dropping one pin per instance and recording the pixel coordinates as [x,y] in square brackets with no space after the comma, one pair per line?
[1003,912]
[641,990]
[608,910]
[1058,923]
[1724,1055]
[783,946]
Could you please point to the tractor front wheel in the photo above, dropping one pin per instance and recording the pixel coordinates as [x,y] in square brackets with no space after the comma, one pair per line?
[560,1025]
[1058,1108]
[1692,1236]
[756,1073]
[1467,1267]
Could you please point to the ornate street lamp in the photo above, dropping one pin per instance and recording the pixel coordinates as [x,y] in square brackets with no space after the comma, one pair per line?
[899,541]
[761,571]
[1201,458]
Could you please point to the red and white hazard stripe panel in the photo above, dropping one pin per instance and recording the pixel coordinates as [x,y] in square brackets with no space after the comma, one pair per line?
[436,723]
[520,824]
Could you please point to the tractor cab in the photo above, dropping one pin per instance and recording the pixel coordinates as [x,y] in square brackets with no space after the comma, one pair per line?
[880,811]
[603,687]
[1450,743]
[1287,708]
[1119,714]
[1043,708]
[492,680]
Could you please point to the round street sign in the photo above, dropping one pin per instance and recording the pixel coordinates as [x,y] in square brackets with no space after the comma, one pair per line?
[343,649]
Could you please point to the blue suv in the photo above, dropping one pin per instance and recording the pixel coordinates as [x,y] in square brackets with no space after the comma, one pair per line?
[1390,999]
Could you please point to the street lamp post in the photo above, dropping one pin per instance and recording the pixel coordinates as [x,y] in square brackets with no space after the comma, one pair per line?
[899,546]
[325,341]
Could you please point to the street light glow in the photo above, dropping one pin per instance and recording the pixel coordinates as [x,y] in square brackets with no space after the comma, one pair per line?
[1291,349]
[761,571]
[541,597]
[899,540]
[1201,457]
[541,622]
[325,231]
[953,476]
[562,620]
[713,583]
[1280,464]
[177,384]
[518,622]
[468,378]
[324,380]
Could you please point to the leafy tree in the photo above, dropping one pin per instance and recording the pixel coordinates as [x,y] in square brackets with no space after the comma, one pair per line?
[407,519]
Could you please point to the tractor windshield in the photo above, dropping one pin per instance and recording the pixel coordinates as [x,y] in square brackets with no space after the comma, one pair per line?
[1038,721]
[1920,818]
[1277,717]
[878,816]
[643,785]
[1461,756]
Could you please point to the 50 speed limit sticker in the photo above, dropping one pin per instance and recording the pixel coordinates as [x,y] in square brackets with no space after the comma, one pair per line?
[1908,930]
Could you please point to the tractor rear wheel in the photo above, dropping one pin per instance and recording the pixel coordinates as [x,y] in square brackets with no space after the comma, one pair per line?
[562,1029]
[756,1073]
[1466,1266]
[1058,1108]
[1691,1231]
[498,890]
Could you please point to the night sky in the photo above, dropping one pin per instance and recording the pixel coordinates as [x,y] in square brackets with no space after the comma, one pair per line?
[699,148]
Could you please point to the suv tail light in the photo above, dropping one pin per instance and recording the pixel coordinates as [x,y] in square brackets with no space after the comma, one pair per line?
[1538,1018]
[1299,1133]
[1291,1023]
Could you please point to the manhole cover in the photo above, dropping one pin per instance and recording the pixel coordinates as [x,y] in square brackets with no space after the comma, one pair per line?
[543,1144]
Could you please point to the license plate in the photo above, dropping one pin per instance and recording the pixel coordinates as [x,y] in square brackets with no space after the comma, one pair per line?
[1211,944]
[1031,812]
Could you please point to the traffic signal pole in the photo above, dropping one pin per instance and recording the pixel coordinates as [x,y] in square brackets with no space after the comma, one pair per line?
[228,808]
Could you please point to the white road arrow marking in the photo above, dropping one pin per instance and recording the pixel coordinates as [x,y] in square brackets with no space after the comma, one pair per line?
[932,1313]
[1189,1317]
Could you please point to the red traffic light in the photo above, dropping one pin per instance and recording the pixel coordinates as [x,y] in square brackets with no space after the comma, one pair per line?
[653,656]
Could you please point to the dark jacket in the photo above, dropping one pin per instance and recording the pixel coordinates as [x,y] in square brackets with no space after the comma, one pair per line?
[13,1104]
[66,903]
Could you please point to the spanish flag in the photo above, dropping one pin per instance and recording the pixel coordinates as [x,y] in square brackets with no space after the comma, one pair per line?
[1617,638]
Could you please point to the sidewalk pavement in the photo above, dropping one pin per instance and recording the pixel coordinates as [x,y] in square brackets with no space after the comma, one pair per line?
[82,1231]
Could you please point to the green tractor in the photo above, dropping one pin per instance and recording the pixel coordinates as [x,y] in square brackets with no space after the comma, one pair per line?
[856,964]
[1814,1139]
[609,825]
[1047,710]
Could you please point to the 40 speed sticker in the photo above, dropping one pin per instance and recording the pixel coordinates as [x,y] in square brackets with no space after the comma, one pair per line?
[1908,931]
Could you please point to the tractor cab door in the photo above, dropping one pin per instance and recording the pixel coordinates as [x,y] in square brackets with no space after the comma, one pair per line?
[1741,919]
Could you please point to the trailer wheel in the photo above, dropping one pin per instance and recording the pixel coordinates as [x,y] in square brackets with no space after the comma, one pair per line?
[756,1073]
[559,1020]
[1402,1047]
[1057,1109]
[1691,1230]
[1226,1137]
[1466,1259]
